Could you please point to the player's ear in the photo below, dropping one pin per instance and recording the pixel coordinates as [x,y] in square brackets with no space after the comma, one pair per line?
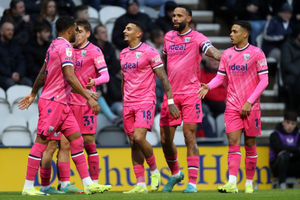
[89,34]
[189,19]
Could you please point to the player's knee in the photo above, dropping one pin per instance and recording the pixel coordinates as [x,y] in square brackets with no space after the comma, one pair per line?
[189,140]
[51,148]
[138,138]
[64,146]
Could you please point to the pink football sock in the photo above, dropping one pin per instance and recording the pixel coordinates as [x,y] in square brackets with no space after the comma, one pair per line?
[45,173]
[63,171]
[193,167]
[139,172]
[173,163]
[234,159]
[93,160]
[34,160]
[151,162]
[79,158]
[250,161]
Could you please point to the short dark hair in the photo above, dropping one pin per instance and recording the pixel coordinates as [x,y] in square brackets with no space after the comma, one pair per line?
[13,3]
[41,25]
[80,8]
[188,10]
[290,115]
[63,23]
[245,25]
[138,24]
[85,24]
[96,28]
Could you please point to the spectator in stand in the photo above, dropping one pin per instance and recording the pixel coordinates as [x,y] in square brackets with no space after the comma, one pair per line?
[12,65]
[50,14]
[65,7]
[276,32]
[82,13]
[113,95]
[290,66]
[131,14]
[157,40]
[215,99]
[285,149]
[100,34]
[33,8]
[97,3]
[35,50]
[165,23]
[295,4]
[21,21]
[257,13]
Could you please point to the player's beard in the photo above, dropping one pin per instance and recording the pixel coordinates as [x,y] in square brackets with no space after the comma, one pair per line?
[73,38]
[180,27]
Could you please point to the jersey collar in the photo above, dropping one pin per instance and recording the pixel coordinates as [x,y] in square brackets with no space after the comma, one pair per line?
[136,47]
[183,34]
[242,49]
[87,44]
[63,39]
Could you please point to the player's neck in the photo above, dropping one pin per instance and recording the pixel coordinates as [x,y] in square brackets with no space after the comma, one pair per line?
[184,31]
[64,36]
[242,44]
[83,44]
[134,43]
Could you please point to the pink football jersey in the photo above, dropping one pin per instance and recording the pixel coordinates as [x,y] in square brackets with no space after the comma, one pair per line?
[59,54]
[139,78]
[184,54]
[242,68]
[89,64]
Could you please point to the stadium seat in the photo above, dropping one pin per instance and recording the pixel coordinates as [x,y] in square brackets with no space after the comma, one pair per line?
[77,2]
[111,136]
[15,93]
[4,4]
[4,106]
[26,114]
[102,122]
[179,137]
[110,14]
[152,13]
[220,125]
[93,17]
[289,180]
[32,126]
[15,132]
[109,27]
[1,11]
[2,95]
[152,138]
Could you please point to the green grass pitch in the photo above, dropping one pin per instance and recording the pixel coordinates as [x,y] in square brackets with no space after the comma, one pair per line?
[290,194]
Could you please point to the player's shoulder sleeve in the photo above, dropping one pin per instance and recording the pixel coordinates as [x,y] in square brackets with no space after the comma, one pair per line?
[99,60]
[203,42]
[153,56]
[261,62]
[66,54]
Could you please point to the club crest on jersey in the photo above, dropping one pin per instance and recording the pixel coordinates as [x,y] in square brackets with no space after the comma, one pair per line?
[68,52]
[56,134]
[246,57]
[83,53]
[138,55]
[187,39]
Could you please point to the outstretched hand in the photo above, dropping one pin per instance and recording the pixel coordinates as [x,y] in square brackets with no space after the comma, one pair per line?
[26,102]
[203,90]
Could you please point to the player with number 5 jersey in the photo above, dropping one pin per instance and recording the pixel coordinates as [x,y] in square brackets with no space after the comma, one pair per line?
[182,54]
